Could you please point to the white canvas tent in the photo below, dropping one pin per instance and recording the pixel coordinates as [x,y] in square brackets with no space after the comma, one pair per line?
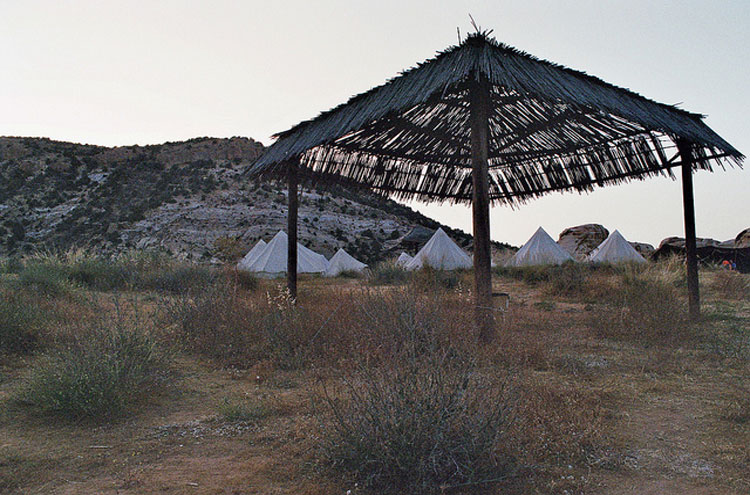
[540,249]
[615,249]
[343,262]
[248,259]
[403,259]
[271,261]
[440,252]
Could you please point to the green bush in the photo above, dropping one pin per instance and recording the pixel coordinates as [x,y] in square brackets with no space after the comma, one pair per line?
[10,265]
[388,273]
[245,279]
[428,277]
[102,374]
[649,309]
[49,280]
[20,323]
[100,273]
[419,425]
[177,279]
[246,410]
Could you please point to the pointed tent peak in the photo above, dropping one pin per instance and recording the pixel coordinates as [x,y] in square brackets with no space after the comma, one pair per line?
[615,249]
[540,232]
[440,252]
[343,261]
[272,260]
[403,259]
[540,249]
[247,260]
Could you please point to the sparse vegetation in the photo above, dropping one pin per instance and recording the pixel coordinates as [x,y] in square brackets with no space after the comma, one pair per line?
[107,369]
[21,323]
[423,423]
[383,386]
[388,273]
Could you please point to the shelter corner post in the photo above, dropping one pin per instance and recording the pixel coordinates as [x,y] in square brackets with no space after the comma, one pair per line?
[480,105]
[686,155]
[292,197]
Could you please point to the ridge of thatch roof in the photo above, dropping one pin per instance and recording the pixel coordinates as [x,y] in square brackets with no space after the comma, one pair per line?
[551,128]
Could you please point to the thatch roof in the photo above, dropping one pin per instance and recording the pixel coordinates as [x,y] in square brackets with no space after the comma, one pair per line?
[551,128]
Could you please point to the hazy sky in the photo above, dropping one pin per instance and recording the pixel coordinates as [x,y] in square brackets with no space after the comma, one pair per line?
[132,72]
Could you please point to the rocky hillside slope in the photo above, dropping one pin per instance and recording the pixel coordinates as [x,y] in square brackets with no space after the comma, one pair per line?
[189,198]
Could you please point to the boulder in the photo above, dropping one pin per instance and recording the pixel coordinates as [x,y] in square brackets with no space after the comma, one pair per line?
[679,242]
[743,239]
[579,241]
[645,250]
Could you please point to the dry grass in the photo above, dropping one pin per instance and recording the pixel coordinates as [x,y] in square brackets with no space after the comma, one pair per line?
[611,392]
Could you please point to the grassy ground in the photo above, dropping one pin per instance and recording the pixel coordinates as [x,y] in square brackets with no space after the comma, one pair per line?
[607,389]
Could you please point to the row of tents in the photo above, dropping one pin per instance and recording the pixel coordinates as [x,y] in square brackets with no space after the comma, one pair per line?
[541,249]
[270,259]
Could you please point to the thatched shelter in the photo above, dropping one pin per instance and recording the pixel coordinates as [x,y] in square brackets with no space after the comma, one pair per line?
[483,123]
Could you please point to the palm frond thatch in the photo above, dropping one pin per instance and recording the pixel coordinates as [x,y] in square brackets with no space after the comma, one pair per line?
[551,128]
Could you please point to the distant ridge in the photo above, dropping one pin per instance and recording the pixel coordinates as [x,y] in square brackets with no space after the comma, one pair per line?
[187,197]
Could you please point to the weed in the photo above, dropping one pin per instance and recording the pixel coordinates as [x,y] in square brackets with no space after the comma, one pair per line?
[247,410]
[100,375]
[177,279]
[99,273]
[420,425]
[21,322]
[388,273]
[245,279]
[50,280]
[731,285]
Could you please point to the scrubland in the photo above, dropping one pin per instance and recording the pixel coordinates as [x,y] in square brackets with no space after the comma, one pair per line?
[147,375]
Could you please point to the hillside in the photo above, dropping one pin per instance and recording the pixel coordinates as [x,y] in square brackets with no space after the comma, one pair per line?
[188,198]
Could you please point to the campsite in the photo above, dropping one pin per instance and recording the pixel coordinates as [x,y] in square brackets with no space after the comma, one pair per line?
[448,265]
[602,383]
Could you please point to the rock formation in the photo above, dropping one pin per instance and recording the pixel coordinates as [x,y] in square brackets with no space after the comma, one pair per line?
[579,241]
[644,249]
[743,239]
[679,242]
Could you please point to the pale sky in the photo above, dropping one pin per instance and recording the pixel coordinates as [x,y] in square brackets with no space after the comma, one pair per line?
[145,72]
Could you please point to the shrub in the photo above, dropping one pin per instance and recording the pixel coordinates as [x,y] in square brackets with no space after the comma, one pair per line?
[648,309]
[105,371]
[10,265]
[731,285]
[246,410]
[49,280]
[559,423]
[429,278]
[176,279]
[238,330]
[245,279]
[354,274]
[228,248]
[99,273]
[388,273]
[418,425]
[20,323]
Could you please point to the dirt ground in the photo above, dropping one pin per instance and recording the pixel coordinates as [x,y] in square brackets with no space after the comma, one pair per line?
[667,409]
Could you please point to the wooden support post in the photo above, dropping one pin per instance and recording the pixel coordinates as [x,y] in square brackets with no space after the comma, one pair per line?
[479,107]
[686,156]
[291,262]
